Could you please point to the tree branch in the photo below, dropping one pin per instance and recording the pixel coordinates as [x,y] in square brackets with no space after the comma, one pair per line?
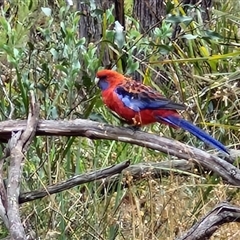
[72,182]
[96,130]
[3,193]
[203,229]
[112,175]
[18,145]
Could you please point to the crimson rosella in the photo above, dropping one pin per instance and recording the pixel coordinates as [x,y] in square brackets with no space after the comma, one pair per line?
[140,105]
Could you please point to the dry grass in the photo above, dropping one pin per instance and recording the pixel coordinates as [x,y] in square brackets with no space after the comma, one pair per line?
[147,210]
[165,211]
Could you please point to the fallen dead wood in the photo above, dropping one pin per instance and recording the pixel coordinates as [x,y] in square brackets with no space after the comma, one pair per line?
[220,214]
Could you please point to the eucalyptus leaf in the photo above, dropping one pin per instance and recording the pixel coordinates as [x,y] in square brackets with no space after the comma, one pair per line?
[213,35]
[189,36]
[47,11]
[179,19]
[119,35]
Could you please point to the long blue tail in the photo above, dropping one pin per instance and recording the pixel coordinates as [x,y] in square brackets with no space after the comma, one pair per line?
[196,131]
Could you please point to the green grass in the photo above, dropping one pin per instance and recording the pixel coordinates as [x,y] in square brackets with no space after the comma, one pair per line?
[48,56]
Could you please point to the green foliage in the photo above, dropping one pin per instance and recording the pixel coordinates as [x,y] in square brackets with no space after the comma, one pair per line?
[40,50]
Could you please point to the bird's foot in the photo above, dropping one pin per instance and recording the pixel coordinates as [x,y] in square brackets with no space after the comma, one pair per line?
[135,126]
[136,122]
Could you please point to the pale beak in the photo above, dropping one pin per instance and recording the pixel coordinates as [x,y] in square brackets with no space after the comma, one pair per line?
[96,80]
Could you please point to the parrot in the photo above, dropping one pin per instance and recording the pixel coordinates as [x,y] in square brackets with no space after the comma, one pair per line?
[141,105]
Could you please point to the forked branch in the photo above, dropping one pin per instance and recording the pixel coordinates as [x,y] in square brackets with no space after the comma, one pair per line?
[17,146]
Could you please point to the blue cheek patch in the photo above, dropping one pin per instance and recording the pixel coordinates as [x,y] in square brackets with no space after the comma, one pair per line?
[103,84]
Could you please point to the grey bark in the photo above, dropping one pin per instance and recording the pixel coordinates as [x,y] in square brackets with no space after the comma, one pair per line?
[17,147]
[96,130]
[204,228]
[112,175]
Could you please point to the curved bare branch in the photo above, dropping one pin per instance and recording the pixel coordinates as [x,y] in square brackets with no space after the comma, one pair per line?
[203,229]
[112,176]
[96,130]
[72,182]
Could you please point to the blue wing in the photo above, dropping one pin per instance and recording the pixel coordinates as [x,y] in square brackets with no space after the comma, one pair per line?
[138,97]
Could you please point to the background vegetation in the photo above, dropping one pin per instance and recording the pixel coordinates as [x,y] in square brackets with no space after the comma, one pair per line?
[40,49]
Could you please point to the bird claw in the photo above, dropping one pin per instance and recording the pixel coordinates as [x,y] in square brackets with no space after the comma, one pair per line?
[136,123]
